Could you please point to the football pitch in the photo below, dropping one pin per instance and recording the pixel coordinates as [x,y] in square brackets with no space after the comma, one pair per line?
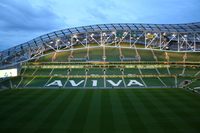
[99,111]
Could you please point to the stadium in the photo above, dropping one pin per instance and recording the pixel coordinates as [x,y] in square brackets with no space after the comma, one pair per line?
[121,77]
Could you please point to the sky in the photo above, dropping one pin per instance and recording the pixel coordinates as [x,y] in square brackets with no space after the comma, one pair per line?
[23,20]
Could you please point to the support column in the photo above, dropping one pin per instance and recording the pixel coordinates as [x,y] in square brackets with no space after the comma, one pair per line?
[178,42]
[101,38]
[130,38]
[194,42]
[160,41]
[86,42]
[145,41]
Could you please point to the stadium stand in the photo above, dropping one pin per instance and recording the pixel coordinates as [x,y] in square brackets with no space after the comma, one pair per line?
[108,57]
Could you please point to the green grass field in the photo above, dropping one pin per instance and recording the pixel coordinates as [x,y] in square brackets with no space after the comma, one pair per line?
[99,111]
[104,110]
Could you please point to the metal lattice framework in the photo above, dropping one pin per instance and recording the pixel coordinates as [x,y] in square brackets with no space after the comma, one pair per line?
[175,37]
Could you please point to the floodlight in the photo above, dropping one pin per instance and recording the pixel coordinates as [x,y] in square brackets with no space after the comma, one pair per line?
[113,32]
[125,33]
[75,36]
[104,34]
[174,35]
[92,35]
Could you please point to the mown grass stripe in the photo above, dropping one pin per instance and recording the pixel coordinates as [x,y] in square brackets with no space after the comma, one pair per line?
[67,116]
[78,122]
[92,124]
[119,115]
[55,115]
[189,100]
[163,104]
[157,121]
[181,107]
[107,123]
[32,109]
[6,92]
[133,111]
[189,104]
[26,114]
[42,112]
[10,96]
[7,111]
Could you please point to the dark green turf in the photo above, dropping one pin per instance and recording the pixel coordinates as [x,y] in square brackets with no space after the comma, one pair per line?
[101,111]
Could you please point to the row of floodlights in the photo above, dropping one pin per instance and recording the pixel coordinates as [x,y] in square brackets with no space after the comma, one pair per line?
[124,34]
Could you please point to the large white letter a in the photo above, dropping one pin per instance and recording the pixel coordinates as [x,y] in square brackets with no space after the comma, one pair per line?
[134,82]
[55,83]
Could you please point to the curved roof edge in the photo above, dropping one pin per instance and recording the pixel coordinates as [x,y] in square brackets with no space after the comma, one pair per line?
[169,28]
[188,33]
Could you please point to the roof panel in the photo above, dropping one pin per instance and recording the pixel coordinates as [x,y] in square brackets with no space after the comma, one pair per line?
[191,27]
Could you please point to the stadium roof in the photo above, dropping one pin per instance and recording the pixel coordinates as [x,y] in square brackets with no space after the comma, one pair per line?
[191,28]
[169,28]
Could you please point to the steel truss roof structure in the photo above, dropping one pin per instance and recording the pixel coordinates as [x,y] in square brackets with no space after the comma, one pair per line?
[179,37]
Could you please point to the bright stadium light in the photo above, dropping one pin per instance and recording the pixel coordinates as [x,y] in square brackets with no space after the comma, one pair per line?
[113,32]
[104,34]
[51,42]
[125,33]
[173,35]
[185,36]
[75,36]
[92,35]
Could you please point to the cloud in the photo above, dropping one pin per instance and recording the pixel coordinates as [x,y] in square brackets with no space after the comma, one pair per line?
[95,14]
[18,16]
[23,21]
[108,11]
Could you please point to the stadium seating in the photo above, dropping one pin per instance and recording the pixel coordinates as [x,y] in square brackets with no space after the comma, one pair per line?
[105,67]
